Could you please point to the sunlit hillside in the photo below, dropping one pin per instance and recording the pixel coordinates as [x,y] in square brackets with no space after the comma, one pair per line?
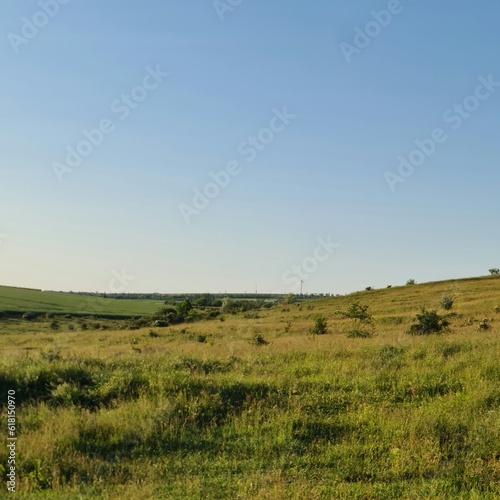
[255,405]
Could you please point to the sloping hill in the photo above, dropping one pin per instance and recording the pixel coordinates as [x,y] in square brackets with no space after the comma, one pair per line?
[471,295]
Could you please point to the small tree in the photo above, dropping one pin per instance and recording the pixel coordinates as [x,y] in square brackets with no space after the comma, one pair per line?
[320,326]
[362,320]
[410,282]
[447,303]
[494,271]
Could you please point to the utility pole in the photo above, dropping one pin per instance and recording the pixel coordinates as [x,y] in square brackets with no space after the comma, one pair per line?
[301,283]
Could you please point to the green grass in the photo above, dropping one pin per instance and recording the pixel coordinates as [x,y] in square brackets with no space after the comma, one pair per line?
[19,300]
[120,414]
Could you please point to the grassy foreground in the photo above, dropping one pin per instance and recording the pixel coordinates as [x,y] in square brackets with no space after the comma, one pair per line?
[257,407]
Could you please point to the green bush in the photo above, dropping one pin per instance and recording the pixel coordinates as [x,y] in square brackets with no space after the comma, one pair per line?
[184,307]
[411,282]
[320,326]
[163,317]
[427,322]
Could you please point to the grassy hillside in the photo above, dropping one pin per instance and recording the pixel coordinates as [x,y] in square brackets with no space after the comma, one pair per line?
[20,300]
[255,406]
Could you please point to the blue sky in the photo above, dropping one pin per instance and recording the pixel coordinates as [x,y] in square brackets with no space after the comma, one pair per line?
[323,175]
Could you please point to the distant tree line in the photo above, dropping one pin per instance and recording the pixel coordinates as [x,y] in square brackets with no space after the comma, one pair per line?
[200,299]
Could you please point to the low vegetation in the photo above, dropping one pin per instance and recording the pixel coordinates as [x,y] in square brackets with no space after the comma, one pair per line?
[257,407]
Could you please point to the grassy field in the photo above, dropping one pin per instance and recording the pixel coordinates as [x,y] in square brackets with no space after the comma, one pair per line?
[21,300]
[255,406]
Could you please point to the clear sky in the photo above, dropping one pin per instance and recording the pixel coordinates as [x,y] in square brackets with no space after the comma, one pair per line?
[306,115]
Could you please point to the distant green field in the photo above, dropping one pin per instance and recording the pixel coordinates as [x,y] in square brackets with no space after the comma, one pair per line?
[19,300]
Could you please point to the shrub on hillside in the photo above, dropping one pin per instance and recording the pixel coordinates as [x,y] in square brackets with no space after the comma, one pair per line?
[447,303]
[494,271]
[320,326]
[427,322]
[258,339]
[411,282]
